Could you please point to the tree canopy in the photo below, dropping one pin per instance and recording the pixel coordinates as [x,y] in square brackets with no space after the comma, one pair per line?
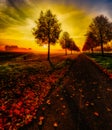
[47,29]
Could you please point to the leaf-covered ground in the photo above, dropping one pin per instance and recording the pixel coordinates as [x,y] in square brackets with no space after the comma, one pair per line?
[76,95]
[81,101]
[24,84]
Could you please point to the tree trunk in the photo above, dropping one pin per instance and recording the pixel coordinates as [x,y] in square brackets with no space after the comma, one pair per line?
[102,51]
[101,42]
[65,51]
[49,41]
[48,58]
[92,50]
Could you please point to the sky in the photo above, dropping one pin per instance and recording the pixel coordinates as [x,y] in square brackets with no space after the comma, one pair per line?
[17,18]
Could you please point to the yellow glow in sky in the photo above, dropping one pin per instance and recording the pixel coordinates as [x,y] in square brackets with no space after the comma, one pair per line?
[73,20]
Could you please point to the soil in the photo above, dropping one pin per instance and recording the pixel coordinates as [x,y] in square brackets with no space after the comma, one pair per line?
[81,101]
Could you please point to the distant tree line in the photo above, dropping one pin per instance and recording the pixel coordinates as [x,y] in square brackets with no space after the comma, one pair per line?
[15,48]
[10,48]
[68,43]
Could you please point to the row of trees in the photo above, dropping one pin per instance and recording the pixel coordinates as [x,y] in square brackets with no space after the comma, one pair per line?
[16,48]
[47,31]
[68,43]
[99,33]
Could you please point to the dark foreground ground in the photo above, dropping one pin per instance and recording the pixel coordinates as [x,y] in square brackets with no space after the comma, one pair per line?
[81,101]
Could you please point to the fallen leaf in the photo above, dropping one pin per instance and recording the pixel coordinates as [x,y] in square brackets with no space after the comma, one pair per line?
[108,109]
[96,114]
[55,124]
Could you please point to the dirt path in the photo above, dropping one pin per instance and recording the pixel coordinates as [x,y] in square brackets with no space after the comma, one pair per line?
[82,101]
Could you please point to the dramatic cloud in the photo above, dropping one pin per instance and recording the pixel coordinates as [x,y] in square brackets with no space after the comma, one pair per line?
[17,17]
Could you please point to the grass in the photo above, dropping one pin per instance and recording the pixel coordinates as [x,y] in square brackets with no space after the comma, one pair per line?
[105,61]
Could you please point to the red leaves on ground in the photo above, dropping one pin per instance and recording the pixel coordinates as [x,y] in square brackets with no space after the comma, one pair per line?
[96,114]
[20,98]
[3,108]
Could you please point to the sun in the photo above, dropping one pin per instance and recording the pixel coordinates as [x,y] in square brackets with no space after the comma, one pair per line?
[44,46]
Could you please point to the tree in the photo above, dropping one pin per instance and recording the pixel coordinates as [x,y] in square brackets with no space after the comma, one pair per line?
[65,41]
[101,29]
[73,46]
[90,42]
[47,30]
